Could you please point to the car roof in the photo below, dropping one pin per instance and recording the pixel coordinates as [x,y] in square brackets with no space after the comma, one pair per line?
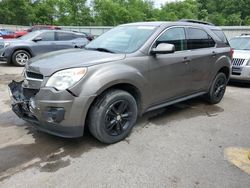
[62,31]
[165,23]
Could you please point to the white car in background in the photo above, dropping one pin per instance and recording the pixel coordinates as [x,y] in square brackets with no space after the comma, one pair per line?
[241,58]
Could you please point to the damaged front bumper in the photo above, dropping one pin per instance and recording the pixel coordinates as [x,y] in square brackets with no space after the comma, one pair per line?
[48,110]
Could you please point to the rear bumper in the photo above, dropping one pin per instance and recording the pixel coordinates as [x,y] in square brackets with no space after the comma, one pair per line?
[56,113]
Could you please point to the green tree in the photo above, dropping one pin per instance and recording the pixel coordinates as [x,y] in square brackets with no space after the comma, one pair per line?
[16,12]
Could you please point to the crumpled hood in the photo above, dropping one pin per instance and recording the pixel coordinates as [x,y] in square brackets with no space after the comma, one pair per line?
[241,54]
[49,63]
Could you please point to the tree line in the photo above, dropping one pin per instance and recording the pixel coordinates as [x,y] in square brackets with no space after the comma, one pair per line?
[115,12]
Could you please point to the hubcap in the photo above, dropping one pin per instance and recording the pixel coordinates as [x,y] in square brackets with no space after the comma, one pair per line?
[219,88]
[22,58]
[118,118]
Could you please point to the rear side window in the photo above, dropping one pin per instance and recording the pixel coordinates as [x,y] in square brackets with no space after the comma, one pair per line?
[198,38]
[48,36]
[61,36]
[221,36]
[175,36]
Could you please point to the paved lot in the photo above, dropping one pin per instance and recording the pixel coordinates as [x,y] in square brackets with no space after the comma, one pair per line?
[180,146]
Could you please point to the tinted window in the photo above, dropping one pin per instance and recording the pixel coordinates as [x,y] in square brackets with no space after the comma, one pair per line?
[175,36]
[47,36]
[198,38]
[221,36]
[65,36]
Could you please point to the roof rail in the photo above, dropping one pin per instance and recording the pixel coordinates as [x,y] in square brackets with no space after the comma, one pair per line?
[196,21]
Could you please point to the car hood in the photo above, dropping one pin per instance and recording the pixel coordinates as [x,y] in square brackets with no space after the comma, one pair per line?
[15,42]
[241,54]
[49,63]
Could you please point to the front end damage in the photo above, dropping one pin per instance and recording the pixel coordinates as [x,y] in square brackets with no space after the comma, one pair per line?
[48,110]
[22,100]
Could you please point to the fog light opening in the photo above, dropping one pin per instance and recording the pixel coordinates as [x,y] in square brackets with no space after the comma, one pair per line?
[54,115]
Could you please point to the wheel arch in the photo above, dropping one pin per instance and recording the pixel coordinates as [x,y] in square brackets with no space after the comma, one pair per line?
[225,70]
[23,48]
[128,87]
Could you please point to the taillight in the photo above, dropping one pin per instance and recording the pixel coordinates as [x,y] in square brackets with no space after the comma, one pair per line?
[231,53]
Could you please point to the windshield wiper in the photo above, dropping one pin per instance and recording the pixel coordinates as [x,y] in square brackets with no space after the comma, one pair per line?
[101,50]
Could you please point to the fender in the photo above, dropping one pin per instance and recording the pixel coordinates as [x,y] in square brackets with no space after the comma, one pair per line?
[98,80]
[10,50]
[223,61]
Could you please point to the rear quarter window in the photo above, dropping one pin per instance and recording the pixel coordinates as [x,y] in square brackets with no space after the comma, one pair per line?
[221,35]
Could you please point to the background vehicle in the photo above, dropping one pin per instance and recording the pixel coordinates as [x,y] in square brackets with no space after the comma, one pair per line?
[241,58]
[89,36]
[7,34]
[43,27]
[1,42]
[19,51]
[127,71]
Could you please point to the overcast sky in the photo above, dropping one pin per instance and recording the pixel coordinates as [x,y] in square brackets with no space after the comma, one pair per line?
[159,2]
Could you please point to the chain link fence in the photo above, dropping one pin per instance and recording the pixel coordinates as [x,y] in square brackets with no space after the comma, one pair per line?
[230,31]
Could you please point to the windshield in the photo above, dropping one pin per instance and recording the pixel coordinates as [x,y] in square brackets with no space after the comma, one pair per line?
[30,36]
[240,43]
[122,39]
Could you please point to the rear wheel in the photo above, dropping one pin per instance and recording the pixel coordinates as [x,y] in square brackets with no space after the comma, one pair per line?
[112,116]
[20,57]
[217,89]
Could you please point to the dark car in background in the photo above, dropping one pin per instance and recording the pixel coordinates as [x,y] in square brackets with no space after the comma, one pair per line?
[19,51]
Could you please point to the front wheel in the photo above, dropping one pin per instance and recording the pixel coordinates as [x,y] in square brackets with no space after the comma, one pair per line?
[112,116]
[20,57]
[217,89]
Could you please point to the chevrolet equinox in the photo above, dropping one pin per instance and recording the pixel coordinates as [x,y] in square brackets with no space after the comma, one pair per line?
[127,71]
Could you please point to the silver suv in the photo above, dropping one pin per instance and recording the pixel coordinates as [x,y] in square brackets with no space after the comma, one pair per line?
[129,70]
[241,58]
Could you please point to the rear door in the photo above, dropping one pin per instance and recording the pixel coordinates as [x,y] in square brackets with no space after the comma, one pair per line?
[203,55]
[65,40]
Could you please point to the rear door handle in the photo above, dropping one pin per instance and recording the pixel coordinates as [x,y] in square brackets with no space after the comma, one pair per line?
[186,60]
[214,54]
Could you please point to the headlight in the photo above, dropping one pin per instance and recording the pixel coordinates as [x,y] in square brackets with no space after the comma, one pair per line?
[6,44]
[64,79]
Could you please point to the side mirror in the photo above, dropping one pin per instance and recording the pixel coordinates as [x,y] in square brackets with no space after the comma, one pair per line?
[163,48]
[37,39]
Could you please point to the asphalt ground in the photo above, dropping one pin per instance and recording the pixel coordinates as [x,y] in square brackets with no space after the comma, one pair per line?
[191,144]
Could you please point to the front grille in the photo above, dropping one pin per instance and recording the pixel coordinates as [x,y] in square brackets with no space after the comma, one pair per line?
[238,62]
[33,75]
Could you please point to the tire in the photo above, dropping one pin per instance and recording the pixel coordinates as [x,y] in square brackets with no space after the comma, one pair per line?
[217,89]
[20,58]
[112,116]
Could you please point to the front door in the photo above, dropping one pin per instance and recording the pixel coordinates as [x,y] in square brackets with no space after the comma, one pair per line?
[170,73]
[46,44]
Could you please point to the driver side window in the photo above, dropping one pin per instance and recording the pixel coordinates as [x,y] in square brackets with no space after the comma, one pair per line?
[175,36]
